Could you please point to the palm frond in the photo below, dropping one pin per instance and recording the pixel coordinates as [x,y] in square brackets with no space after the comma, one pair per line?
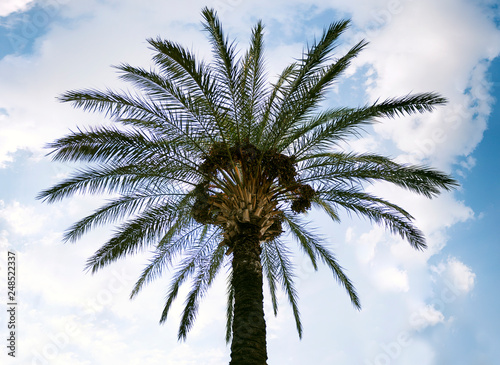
[273,104]
[323,132]
[121,179]
[337,168]
[318,53]
[251,82]
[135,234]
[138,111]
[117,209]
[206,272]
[304,237]
[396,219]
[329,259]
[181,235]
[311,244]
[286,275]
[269,266]
[187,101]
[194,256]
[105,144]
[304,89]
[227,67]
[307,98]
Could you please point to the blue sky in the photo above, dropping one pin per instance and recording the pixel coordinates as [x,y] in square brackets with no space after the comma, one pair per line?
[426,308]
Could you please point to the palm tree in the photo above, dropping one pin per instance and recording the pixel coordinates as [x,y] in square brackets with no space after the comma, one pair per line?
[209,164]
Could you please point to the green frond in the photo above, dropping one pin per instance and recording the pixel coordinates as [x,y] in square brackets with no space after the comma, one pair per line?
[185,270]
[396,219]
[105,144]
[335,168]
[194,255]
[118,179]
[409,104]
[273,104]
[125,153]
[180,65]
[329,259]
[304,237]
[206,272]
[115,105]
[114,211]
[307,98]
[140,112]
[309,80]
[311,245]
[269,260]
[227,68]
[318,53]
[188,102]
[322,133]
[302,136]
[251,83]
[286,276]
[179,237]
[327,208]
[135,234]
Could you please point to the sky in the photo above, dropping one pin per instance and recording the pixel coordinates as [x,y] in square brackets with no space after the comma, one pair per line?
[433,307]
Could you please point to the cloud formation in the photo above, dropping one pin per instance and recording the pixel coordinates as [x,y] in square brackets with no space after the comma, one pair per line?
[10,6]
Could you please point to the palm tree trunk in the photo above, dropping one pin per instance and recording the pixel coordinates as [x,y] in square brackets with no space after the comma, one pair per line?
[249,327]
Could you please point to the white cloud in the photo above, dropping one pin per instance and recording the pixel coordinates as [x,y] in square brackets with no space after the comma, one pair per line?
[391,279]
[10,6]
[447,54]
[349,234]
[419,352]
[36,118]
[430,215]
[457,276]
[3,240]
[469,163]
[367,243]
[23,220]
[425,317]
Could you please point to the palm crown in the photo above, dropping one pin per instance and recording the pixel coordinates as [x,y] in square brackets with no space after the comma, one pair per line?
[204,154]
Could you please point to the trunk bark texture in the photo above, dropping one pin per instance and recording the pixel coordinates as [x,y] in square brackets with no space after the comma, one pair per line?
[249,327]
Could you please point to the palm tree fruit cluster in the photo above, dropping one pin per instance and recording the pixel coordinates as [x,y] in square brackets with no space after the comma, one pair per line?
[248,196]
